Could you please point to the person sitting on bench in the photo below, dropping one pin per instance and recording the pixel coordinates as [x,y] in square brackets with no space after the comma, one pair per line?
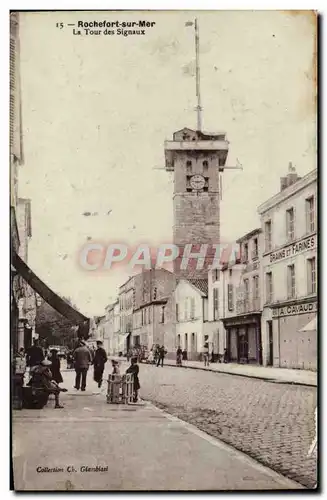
[42,385]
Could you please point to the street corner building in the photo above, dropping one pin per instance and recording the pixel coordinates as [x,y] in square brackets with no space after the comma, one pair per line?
[289,271]
[240,301]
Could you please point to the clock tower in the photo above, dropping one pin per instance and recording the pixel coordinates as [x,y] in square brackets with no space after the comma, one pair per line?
[197,159]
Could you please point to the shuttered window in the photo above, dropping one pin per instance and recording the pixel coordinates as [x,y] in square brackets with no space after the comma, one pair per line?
[192,307]
[215,304]
[230,297]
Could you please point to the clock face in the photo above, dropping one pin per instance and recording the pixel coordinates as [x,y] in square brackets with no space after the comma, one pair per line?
[197,182]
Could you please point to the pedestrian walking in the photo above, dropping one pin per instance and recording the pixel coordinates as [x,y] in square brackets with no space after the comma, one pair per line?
[206,351]
[179,356]
[99,360]
[161,356]
[82,360]
[134,370]
[55,366]
[34,354]
[184,355]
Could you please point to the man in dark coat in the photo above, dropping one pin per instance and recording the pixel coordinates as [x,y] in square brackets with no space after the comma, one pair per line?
[161,357]
[99,360]
[35,354]
[82,360]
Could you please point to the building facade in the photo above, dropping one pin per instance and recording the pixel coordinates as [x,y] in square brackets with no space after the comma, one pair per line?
[16,159]
[243,292]
[289,268]
[196,160]
[191,302]
[152,289]
[108,336]
[126,298]
[28,303]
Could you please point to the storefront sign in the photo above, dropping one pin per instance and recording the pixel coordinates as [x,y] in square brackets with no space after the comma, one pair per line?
[250,320]
[292,310]
[294,249]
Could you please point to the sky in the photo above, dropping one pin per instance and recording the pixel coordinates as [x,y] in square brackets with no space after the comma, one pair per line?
[97,110]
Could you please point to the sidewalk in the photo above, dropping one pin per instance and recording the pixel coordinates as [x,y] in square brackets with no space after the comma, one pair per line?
[139,448]
[278,375]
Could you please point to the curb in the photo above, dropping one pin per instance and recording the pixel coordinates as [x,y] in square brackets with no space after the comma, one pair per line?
[257,377]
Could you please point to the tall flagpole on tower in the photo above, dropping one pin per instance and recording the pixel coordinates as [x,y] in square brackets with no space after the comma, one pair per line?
[197,75]
[197,72]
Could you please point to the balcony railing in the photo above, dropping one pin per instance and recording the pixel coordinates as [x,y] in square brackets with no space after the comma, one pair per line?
[247,306]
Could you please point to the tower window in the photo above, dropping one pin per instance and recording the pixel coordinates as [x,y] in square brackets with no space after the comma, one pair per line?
[189,166]
[205,166]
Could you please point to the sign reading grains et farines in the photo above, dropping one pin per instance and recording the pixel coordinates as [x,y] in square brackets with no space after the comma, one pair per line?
[294,249]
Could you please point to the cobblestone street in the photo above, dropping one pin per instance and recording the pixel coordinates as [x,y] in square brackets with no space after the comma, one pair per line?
[273,423]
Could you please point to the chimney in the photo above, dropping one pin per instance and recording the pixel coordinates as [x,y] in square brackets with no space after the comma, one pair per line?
[291,177]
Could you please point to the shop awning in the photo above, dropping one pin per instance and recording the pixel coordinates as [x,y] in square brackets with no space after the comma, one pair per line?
[46,293]
[311,326]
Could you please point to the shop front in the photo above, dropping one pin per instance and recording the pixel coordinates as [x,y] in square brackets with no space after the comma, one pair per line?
[243,336]
[295,339]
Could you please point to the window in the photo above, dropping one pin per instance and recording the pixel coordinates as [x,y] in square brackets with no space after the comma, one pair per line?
[255,249]
[177,317]
[192,307]
[268,239]
[290,232]
[246,289]
[269,288]
[205,167]
[216,275]
[189,166]
[162,314]
[312,282]
[186,309]
[230,297]
[255,287]
[215,304]
[231,272]
[256,300]
[310,214]
[178,340]
[291,281]
[245,252]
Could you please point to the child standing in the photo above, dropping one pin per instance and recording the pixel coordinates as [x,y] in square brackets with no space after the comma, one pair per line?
[134,370]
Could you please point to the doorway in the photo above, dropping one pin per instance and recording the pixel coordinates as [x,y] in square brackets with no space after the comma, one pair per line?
[193,346]
[243,346]
[270,343]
